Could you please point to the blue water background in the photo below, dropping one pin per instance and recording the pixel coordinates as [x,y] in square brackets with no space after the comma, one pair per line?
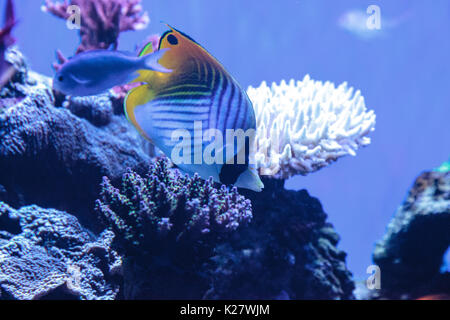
[404,75]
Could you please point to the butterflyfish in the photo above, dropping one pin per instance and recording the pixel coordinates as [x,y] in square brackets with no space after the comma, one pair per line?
[199,103]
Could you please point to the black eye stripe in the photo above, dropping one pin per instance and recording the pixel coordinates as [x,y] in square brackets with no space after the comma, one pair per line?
[60,78]
[172,39]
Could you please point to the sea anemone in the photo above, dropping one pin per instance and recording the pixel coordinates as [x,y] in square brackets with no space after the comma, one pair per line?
[303,126]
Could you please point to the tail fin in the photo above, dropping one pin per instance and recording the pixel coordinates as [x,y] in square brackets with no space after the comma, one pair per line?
[249,179]
[151,61]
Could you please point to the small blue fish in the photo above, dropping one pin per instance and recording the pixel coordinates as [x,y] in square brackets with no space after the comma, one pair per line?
[94,72]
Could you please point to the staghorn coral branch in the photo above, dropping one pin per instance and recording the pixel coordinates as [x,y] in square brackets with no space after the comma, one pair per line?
[304,126]
[57,9]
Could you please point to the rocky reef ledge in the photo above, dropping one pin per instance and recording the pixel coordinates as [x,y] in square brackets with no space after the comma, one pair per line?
[287,251]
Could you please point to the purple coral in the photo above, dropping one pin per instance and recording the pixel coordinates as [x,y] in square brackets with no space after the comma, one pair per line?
[102,21]
[166,206]
[6,40]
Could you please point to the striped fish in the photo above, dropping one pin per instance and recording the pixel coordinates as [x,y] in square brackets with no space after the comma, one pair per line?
[197,96]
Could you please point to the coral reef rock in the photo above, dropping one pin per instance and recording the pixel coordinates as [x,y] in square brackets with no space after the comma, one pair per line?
[51,157]
[287,251]
[411,253]
[305,125]
[178,236]
[46,254]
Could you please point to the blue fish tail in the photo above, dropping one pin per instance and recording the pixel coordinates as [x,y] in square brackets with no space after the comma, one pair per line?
[150,61]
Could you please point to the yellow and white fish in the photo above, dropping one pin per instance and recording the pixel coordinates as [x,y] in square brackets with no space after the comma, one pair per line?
[198,91]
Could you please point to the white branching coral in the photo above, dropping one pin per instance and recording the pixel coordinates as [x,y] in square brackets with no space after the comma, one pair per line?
[304,126]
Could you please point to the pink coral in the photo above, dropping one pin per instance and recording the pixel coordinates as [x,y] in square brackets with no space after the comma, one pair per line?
[102,20]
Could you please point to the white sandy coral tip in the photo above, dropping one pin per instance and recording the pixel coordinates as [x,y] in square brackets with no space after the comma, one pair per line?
[305,125]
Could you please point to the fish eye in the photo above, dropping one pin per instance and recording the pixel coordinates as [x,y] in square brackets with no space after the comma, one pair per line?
[60,78]
[172,39]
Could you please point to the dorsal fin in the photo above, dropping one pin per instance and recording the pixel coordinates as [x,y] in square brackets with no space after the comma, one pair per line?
[147,49]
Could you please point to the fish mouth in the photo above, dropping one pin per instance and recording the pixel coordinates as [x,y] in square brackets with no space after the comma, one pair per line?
[59,96]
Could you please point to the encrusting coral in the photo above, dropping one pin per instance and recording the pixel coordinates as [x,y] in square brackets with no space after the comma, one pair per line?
[304,126]
[47,254]
[166,206]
